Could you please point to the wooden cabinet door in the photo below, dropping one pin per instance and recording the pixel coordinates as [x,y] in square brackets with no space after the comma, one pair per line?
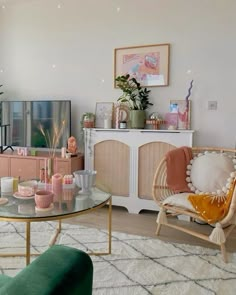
[62,166]
[24,168]
[4,167]
[77,163]
[65,166]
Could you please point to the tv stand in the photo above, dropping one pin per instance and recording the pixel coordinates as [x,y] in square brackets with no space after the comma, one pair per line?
[28,167]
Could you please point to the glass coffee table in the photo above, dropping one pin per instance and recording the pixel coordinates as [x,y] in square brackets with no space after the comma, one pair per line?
[68,204]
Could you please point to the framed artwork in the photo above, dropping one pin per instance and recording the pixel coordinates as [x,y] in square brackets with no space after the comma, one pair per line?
[171,121]
[148,64]
[104,110]
[121,113]
[183,113]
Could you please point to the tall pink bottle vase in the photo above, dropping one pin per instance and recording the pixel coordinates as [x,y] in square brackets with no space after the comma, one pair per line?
[57,185]
[117,117]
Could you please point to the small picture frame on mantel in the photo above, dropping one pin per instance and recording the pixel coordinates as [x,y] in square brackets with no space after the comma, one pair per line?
[171,121]
[104,114]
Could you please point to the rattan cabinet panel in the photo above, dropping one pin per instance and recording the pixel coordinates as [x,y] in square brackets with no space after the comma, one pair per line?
[112,164]
[149,157]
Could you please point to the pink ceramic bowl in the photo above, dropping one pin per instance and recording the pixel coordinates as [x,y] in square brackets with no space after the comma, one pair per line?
[43,199]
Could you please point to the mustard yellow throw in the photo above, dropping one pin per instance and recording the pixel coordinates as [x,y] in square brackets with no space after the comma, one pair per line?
[212,208]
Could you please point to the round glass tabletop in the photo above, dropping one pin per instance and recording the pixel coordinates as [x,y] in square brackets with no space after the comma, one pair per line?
[70,202]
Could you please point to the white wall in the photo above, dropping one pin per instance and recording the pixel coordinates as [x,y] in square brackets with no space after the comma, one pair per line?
[79,39]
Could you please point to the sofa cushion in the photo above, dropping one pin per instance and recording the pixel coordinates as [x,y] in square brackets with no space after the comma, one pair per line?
[212,208]
[59,270]
[4,279]
[179,200]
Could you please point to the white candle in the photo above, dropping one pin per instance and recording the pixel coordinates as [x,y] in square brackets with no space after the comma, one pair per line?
[7,184]
[63,152]
[107,124]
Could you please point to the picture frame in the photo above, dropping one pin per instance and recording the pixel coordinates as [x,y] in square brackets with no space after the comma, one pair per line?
[104,110]
[184,116]
[148,64]
[171,121]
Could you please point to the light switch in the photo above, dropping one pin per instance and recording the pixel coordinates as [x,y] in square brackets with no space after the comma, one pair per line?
[212,105]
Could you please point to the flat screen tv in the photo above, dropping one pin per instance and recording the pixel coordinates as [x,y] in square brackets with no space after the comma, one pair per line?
[26,118]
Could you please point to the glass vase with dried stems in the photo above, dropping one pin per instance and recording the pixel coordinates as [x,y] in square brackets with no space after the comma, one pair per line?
[52,139]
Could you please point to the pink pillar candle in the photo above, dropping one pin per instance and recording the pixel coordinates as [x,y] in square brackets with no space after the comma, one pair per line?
[57,183]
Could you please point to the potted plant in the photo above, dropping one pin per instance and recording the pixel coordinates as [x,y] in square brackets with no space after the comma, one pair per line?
[136,97]
[88,120]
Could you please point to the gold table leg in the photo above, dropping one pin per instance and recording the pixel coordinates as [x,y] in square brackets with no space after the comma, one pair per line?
[109,231]
[109,225]
[57,232]
[27,254]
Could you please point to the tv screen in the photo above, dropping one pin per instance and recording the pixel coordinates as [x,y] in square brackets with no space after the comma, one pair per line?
[36,123]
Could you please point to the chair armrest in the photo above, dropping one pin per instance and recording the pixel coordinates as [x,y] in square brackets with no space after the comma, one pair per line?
[59,270]
[160,189]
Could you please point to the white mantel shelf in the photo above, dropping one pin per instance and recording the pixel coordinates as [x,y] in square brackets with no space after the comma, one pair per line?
[143,130]
[143,148]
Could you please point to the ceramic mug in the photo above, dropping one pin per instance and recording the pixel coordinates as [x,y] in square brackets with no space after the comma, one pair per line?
[43,198]
[27,188]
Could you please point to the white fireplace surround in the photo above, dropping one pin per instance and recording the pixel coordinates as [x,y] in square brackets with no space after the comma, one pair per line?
[135,140]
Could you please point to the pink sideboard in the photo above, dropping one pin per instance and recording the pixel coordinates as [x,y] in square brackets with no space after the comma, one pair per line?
[28,167]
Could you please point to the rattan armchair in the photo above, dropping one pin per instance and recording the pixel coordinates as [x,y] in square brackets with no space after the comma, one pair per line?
[161,191]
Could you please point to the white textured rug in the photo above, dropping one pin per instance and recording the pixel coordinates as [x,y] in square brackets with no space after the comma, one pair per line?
[137,265]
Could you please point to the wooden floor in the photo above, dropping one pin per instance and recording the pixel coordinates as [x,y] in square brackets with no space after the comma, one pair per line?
[144,224]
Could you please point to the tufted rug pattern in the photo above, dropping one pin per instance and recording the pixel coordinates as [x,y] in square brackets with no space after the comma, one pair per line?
[137,266]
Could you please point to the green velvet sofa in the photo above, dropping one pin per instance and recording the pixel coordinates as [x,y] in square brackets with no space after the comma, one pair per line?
[59,270]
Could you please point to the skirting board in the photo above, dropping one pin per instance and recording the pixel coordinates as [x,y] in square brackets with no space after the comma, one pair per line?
[134,205]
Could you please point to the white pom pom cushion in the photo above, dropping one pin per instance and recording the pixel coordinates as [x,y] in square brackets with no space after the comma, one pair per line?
[208,173]
[211,173]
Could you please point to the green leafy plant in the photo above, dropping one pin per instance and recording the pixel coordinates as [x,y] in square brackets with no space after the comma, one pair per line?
[88,116]
[134,95]
[87,120]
